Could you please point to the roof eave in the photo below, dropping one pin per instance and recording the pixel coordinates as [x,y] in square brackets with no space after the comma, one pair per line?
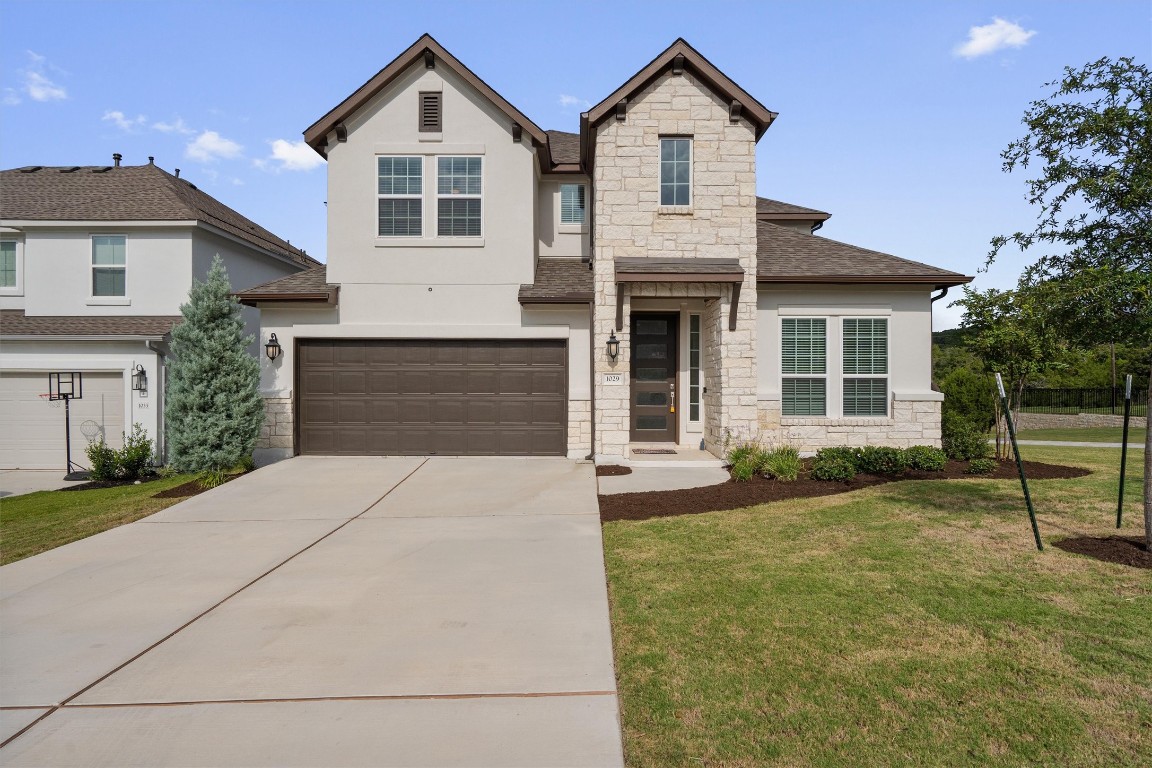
[323,297]
[939,281]
[582,297]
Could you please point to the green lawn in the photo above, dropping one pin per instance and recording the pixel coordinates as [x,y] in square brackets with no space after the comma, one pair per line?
[1093,435]
[37,522]
[906,624]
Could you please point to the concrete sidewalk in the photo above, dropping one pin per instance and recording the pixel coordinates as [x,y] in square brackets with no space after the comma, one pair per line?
[17,482]
[324,612]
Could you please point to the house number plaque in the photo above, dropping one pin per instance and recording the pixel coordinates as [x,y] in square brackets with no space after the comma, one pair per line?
[613,378]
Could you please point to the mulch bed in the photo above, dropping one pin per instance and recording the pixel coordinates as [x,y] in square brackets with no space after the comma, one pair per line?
[760,490]
[612,470]
[1123,550]
[191,488]
[107,483]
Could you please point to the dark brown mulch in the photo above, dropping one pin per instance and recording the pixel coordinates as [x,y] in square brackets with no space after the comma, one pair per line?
[760,490]
[190,488]
[1123,550]
[612,470]
[107,484]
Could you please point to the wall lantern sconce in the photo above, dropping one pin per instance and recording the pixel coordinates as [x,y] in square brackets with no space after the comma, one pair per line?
[139,379]
[272,348]
[613,346]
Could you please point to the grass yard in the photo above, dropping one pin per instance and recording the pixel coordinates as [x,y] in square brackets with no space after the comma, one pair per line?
[37,522]
[1090,435]
[906,624]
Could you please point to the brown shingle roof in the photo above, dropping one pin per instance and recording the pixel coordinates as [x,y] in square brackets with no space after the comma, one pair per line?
[559,281]
[309,285]
[13,322]
[766,208]
[126,193]
[784,255]
[565,147]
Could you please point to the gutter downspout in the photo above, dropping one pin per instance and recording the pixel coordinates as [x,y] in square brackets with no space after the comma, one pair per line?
[815,226]
[161,352]
[592,379]
[931,330]
[942,294]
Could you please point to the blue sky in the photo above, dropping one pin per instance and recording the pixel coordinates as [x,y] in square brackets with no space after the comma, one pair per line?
[892,114]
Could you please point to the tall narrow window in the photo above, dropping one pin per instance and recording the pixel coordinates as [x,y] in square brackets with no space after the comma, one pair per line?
[571,203]
[108,265]
[458,189]
[400,187]
[694,368]
[675,171]
[804,365]
[431,111]
[866,367]
[7,263]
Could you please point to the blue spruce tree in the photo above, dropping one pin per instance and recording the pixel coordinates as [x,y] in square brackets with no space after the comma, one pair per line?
[214,410]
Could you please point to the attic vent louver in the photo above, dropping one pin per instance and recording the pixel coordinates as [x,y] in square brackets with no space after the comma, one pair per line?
[431,111]
[31,169]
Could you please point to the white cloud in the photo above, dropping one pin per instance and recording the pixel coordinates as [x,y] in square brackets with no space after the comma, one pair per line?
[292,156]
[37,85]
[11,97]
[568,102]
[123,122]
[998,35]
[176,126]
[210,146]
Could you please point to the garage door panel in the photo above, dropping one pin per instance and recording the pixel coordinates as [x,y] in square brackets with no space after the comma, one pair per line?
[32,427]
[416,397]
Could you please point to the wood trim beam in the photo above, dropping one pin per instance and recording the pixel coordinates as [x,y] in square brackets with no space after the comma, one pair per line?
[734,306]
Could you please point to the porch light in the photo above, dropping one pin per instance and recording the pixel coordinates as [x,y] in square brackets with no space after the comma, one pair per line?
[613,346]
[139,379]
[272,348]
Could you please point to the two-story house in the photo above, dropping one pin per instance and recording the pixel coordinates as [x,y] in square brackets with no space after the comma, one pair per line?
[95,262]
[495,288]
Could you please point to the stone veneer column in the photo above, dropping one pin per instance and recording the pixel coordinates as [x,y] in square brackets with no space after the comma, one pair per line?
[275,440]
[721,223]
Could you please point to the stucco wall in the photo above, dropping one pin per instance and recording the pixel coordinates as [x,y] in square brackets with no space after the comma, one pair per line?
[720,223]
[556,239]
[913,408]
[482,272]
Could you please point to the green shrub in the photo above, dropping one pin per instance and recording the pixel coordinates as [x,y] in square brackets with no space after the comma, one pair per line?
[834,464]
[962,440]
[880,460]
[971,396]
[981,467]
[782,463]
[739,452]
[102,460]
[925,457]
[743,470]
[247,464]
[212,478]
[135,458]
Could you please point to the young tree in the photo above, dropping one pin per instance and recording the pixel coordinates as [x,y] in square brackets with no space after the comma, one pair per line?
[214,410]
[1010,332]
[1092,141]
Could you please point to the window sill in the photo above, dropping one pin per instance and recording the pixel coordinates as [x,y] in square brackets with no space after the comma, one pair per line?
[835,421]
[674,210]
[573,229]
[11,291]
[429,242]
[109,301]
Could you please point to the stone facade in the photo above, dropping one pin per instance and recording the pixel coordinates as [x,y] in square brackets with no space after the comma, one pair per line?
[278,425]
[913,422]
[629,222]
[1071,420]
[579,428]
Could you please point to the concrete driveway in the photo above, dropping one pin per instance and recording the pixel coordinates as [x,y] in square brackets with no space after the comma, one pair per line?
[324,612]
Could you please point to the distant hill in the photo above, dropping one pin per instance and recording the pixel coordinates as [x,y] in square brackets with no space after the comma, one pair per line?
[953,337]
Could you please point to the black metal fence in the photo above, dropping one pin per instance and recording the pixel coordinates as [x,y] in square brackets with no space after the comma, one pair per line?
[1107,400]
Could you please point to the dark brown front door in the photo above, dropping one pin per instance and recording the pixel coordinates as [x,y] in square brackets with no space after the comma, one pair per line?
[654,378]
[499,397]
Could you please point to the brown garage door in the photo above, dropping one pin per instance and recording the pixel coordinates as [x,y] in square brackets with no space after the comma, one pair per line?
[380,397]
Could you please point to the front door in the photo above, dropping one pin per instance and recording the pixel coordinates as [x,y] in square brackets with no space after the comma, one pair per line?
[653,372]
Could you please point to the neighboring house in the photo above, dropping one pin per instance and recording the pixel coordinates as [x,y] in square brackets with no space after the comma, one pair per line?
[94,264]
[495,288]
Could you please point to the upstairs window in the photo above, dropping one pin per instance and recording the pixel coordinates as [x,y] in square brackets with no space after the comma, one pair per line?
[108,267]
[459,196]
[675,171]
[400,189]
[804,365]
[866,367]
[571,203]
[7,263]
[431,112]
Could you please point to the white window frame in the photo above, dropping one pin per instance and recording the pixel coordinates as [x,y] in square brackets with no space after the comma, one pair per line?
[660,178]
[826,376]
[17,288]
[583,193]
[93,266]
[458,196]
[886,376]
[409,196]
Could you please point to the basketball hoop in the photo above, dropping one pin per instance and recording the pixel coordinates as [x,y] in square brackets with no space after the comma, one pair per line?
[68,386]
[91,430]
